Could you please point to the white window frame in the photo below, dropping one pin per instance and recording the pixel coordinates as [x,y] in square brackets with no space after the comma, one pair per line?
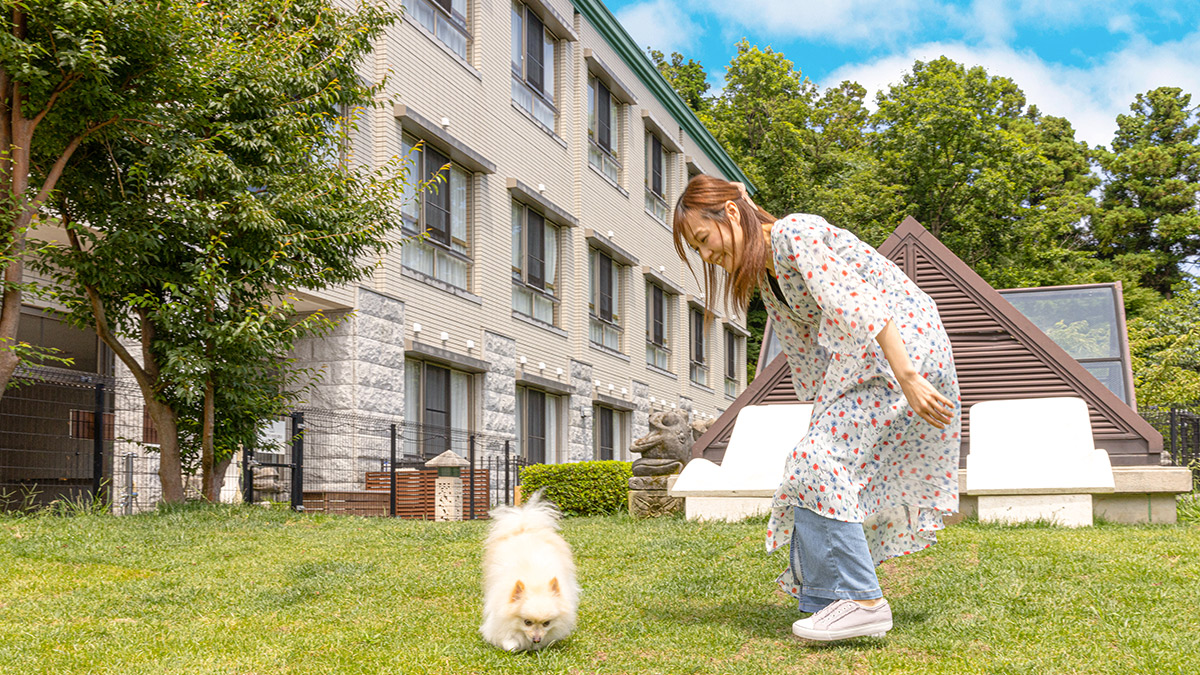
[532,297]
[540,102]
[448,24]
[552,427]
[442,255]
[620,432]
[605,331]
[606,160]
[656,202]
[659,354]
[733,349]
[697,358]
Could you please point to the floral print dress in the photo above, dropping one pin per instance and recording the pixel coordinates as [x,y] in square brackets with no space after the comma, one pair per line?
[867,457]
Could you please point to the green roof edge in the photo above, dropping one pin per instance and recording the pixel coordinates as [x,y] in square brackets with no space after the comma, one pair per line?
[615,34]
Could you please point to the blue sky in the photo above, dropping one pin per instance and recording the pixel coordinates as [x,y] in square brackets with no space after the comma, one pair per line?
[1080,59]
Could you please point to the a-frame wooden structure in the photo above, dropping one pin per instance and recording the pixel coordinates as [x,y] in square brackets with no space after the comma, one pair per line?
[999,354]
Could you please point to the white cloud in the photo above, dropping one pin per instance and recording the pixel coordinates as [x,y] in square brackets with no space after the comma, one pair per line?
[661,25]
[843,21]
[1090,97]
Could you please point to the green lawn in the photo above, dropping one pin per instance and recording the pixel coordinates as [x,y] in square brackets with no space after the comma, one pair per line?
[245,590]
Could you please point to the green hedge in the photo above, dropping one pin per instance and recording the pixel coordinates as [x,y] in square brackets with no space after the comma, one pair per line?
[581,488]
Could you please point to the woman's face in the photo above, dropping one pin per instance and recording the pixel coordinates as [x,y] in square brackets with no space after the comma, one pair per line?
[718,243]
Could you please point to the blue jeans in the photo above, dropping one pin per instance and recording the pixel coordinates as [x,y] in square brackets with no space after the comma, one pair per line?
[833,561]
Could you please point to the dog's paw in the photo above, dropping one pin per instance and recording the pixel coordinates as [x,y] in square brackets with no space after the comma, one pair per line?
[510,644]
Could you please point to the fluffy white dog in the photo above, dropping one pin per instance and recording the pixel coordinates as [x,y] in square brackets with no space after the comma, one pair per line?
[529,590]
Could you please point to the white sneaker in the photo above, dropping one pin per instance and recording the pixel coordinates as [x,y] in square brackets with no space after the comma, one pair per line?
[845,619]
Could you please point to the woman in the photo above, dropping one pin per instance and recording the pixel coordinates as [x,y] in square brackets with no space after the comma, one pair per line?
[878,466]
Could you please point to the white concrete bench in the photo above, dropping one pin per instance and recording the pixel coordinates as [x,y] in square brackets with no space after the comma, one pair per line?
[1034,459]
[745,482]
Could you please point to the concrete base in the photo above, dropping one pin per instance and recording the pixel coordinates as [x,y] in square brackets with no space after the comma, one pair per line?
[728,509]
[1141,509]
[1068,510]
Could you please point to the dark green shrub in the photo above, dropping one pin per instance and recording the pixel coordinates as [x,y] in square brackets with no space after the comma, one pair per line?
[581,488]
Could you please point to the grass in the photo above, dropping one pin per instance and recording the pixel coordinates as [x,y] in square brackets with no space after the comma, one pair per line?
[245,590]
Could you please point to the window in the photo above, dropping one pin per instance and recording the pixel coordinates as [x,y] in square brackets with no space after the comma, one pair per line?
[533,65]
[731,361]
[658,326]
[537,425]
[441,213]
[603,129]
[534,263]
[656,179]
[699,369]
[609,435]
[83,425]
[446,19]
[604,304]
[437,409]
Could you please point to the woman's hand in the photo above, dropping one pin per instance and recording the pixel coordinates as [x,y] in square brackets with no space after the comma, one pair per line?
[745,195]
[926,401]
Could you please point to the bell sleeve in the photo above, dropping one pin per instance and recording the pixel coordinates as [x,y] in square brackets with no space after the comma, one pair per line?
[852,311]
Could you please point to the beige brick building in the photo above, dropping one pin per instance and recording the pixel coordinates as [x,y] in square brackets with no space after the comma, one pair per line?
[546,304]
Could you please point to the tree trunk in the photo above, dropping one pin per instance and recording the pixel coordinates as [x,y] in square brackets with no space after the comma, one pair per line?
[218,479]
[170,469]
[210,482]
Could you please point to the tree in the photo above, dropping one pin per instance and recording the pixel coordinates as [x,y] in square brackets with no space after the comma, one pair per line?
[185,236]
[70,73]
[1164,347]
[1151,196]
[688,79]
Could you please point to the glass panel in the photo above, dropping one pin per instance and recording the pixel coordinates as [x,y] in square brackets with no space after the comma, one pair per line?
[617,300]
[451,270]
[521,421]
[730,387]
[1080,320]
[592,270]
[614,122]
[543,113]
[1111,374]
[550,251]
[451,37]
[425,14]
[417,255]
[552,408]
[595,331]
[543,308]
[516,39]
[522,95]
[459,180]
[518,254]
[523,300]
[459,8]
[412,404]
[460,412]
[535,67]
[612,338]
[591,107]
[411,206]
[548,64]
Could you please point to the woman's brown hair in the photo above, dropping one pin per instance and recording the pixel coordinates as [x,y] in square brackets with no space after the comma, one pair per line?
[705,197]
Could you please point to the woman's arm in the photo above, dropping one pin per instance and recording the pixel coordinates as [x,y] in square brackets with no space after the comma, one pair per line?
[924,399]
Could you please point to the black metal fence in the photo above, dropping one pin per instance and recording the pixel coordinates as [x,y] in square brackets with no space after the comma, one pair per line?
[81,438]
[344,458]
[76,438]
[1180,428]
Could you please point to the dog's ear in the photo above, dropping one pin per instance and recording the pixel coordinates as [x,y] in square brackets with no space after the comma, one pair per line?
[554,586]
[518,591]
